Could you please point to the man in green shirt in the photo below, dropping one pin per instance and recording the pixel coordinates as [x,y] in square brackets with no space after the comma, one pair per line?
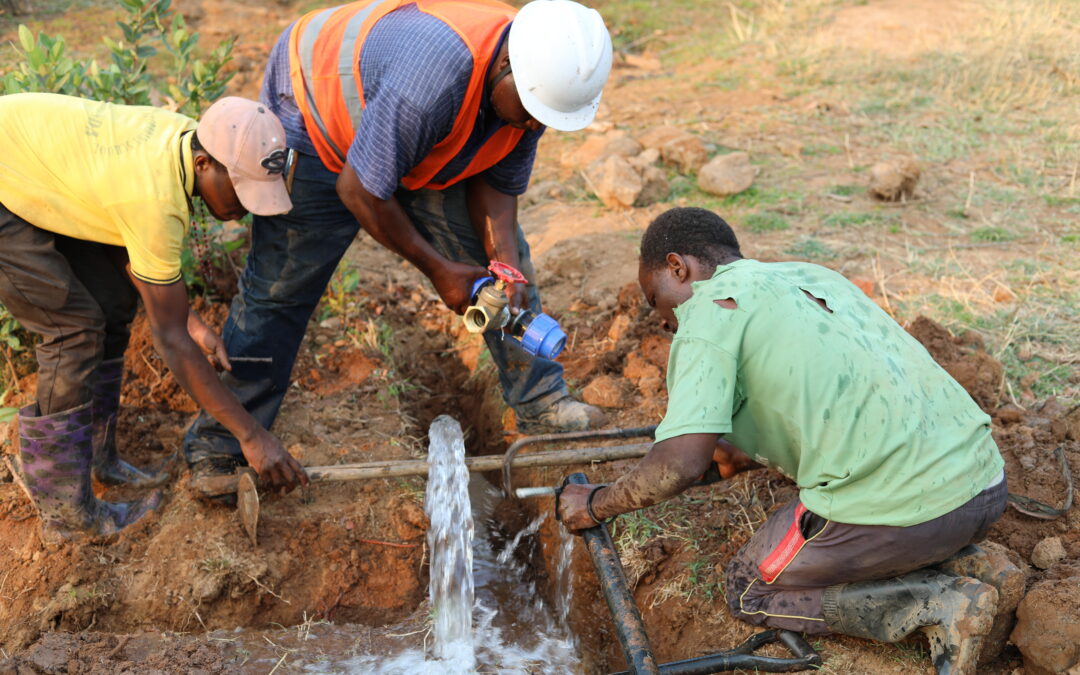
[895,464]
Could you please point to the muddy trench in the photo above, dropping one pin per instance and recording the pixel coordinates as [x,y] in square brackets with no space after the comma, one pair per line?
[345,563]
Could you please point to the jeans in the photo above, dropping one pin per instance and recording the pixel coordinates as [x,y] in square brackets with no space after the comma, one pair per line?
[292,259]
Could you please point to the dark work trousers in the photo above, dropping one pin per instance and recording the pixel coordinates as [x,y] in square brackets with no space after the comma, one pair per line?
[76,295]
[779,577]
[292,259]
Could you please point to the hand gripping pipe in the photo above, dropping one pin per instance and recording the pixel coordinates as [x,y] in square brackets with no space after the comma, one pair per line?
[635,643]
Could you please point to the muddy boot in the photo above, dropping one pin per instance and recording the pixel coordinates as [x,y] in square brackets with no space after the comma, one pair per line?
[991,566]
[109,469]
[565,414]
[954,612]
[54,468]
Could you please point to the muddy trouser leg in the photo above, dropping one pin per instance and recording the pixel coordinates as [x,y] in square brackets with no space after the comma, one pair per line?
[39,288]
[530,383]
[779,577]
[100,268]
[292,259]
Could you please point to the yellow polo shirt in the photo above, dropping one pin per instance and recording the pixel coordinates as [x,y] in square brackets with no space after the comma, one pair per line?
[115,174]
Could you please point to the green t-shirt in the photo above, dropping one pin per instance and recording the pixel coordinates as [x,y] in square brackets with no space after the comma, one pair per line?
[845,403]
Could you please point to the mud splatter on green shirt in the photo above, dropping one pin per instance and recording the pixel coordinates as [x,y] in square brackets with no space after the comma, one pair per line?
[845,402]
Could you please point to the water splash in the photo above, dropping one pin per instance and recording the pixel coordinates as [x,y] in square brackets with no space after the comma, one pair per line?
[486,614]
[564,579]
[450,541]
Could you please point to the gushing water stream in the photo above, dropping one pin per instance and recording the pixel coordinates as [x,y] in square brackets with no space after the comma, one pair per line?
[485,616]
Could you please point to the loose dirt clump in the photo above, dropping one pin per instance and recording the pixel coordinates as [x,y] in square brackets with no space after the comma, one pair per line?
[1048,627]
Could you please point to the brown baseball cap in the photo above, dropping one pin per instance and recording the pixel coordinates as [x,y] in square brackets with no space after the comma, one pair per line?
[250,141]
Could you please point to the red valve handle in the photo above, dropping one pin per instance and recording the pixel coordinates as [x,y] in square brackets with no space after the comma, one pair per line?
[506,273]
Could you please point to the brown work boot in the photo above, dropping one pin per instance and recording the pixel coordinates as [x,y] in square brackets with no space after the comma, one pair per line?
[954,613]
[990,565]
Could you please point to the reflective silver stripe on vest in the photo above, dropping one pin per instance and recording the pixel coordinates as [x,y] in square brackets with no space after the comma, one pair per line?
[350,89]
[306,48]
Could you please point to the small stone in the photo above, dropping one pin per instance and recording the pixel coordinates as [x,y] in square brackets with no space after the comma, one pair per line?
[677,146]
[607,392]
[618,328]
[647,157]
[654,188]
[1048,553]
[727,174]
[333,323]
[894,180]
[614,181]
[601,146]
[637,367]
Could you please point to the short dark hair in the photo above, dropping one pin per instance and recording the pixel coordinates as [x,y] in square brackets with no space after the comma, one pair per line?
[196,146]
[688,230]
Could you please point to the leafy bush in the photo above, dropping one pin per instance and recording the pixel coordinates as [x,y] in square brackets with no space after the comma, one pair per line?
[188,81]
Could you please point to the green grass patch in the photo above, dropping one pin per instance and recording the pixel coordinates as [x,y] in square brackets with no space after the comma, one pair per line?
[992,235]
[821,149]
[765,221]
[859,218]
[811,248]
[846,190]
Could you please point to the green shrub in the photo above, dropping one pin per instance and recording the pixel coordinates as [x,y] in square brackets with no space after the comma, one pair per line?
[190,82]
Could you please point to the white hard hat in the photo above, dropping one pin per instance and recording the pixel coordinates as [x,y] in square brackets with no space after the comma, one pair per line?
[560,53]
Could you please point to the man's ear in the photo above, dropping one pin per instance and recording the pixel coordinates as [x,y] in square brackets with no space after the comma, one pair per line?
[678,267]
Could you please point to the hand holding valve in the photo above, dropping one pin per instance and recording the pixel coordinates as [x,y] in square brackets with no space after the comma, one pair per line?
[538,334]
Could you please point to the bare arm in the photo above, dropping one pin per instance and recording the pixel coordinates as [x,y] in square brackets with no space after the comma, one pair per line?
[167,310]
[388,224]
[494,218]
[670,467]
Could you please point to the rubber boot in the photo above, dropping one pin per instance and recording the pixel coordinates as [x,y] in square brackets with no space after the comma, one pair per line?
[54,468]
[954,612]
[991,566]
[109,469]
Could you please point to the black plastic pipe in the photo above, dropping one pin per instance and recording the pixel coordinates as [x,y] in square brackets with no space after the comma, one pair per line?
[628,624]
[743,657]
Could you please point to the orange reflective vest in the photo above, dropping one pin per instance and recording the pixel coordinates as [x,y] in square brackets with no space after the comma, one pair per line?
[324,64]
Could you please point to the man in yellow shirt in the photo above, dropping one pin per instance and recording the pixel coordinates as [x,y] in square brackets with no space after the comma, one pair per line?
[95,201]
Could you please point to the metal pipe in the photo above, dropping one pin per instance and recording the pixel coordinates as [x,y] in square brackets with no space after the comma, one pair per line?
[219,485]
[628,624]
[511,452]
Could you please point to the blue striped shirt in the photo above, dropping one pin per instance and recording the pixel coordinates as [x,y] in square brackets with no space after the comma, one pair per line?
[415,71]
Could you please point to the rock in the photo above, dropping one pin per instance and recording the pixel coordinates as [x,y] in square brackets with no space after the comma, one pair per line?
[894,180]
[1048,553]
[618,328]
[601,146]
[638,367]
[654,186]
[681,148]
[1048,627]
[647,157]
[606,391]
[658,137]
[726,174]
[614,181]
[687,153]
[333,323]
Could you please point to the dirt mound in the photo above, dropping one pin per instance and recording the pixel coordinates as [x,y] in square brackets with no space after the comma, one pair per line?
[965,358]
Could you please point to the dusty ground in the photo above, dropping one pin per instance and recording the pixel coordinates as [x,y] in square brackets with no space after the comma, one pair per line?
[816,93]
